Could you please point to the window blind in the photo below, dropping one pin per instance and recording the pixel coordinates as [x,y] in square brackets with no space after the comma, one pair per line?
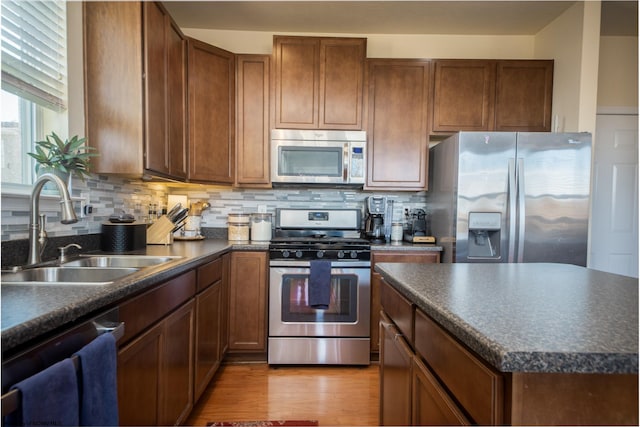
[34,52]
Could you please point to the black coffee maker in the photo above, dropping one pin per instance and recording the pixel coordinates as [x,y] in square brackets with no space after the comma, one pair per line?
[376,208]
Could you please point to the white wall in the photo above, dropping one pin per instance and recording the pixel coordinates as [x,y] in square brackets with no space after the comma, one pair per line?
[385,45]
[618,72]
[575,68]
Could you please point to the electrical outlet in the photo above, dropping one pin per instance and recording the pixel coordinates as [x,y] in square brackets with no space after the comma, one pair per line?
[85,207]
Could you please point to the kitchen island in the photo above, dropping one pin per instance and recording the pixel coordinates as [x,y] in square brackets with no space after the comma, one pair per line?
[558,342]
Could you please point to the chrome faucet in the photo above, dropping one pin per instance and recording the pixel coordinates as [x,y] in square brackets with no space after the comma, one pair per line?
[37,233]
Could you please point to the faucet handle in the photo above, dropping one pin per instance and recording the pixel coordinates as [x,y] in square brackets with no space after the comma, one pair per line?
[63,251]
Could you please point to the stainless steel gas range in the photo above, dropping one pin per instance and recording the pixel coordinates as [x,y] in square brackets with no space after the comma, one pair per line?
[319,288]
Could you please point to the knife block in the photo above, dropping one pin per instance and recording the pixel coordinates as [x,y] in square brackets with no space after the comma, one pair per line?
[160,232]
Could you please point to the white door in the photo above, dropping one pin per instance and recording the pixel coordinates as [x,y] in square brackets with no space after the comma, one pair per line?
[614,220]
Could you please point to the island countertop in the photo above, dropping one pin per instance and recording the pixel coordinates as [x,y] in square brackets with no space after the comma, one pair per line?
[529,317]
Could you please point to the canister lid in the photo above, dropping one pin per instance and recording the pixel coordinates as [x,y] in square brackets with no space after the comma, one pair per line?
[261,215]
[238,218]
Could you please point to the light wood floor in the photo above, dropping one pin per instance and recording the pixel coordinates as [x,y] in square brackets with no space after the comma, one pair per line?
[335,396]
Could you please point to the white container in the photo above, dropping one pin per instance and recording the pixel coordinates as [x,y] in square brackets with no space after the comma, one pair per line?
[260,227]
[238,227]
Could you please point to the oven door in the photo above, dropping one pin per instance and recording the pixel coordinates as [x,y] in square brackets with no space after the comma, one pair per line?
[348,311]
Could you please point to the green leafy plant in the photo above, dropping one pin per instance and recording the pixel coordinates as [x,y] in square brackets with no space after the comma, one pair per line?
[70,156]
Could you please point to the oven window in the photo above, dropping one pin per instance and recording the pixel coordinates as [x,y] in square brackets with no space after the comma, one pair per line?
[342,307]
[310,161]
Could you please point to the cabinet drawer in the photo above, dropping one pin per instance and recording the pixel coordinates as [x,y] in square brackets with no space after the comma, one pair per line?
[431,403]
[398,308]
[478,388]
[208,274]
[144,310]
[409,256]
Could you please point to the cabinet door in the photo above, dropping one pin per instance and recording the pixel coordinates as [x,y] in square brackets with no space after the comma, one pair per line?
[156,99]
[211,76]
[523,95]
[114,85]
[177,91]
[376,279]
[252,139]
[463,95]
[139,367]
[247,302]
[341,83]
[207,344]
[224,323]
[296,82]
[431,405]
[177,366]
[395,376]
[398,125]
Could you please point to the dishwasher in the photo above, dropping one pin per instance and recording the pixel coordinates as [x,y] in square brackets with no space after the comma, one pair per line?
[61,346]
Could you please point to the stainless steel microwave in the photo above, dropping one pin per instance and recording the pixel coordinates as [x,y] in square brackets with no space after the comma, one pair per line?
[318,157]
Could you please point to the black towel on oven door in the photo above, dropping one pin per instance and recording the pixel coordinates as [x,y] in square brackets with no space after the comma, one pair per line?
[320,284]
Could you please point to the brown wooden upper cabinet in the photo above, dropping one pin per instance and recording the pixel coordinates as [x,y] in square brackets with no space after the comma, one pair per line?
[463,95]
[135,89]
[252,121]
[524,90]
[211,78]
[318,82]
[487,95]
[397,129]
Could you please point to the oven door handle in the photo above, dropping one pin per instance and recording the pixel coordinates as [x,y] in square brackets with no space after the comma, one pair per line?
[334,263]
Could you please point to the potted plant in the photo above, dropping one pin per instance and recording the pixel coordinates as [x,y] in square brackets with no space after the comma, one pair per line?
[63,158]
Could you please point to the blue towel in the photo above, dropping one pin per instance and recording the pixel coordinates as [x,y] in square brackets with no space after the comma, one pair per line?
[320,284]
[48,398]
[98,384]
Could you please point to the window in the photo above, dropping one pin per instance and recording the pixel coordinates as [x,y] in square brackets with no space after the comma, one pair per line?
[34,81]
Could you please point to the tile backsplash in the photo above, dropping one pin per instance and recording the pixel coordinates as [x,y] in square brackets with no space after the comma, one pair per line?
[109,194]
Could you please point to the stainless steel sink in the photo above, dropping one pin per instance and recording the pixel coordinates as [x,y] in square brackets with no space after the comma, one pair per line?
[66,276]
[135,261]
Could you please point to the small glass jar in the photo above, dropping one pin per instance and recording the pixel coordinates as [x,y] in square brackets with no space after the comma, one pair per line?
[396,232]
[238,227]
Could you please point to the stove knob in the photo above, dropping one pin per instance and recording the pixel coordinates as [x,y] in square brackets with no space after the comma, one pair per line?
[320,254]
[298,254]
[340,254]
[285,254]
[354,254]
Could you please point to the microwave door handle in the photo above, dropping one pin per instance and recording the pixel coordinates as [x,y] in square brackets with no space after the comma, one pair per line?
[345,162]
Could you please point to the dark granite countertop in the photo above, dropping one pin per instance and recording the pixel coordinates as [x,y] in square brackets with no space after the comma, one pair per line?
[530,317]
[29,312]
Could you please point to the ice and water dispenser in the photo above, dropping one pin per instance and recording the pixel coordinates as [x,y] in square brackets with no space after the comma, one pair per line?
[484,234]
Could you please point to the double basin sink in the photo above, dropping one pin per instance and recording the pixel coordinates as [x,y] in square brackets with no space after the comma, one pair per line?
[85,270]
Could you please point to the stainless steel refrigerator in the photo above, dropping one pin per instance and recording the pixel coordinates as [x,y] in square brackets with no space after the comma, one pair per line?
[511,197]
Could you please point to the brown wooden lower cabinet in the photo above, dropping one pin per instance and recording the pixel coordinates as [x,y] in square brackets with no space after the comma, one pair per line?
[424,257]
[248,302]
[177,372]
[430,403]
[139,365]
[209,324]
[155,371]
[395,375]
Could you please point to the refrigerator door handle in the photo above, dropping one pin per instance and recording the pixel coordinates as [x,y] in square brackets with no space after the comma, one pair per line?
[512,195]
[521,208]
